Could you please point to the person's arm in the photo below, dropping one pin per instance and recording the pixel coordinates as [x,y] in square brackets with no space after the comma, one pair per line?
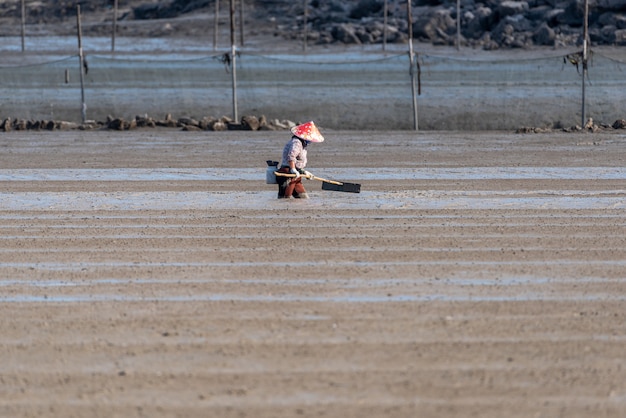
[293,169]
[292,159]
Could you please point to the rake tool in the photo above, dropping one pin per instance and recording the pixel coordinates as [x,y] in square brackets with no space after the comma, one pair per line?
[336,186]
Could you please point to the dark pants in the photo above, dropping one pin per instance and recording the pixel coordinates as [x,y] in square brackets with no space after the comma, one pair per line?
[289,186]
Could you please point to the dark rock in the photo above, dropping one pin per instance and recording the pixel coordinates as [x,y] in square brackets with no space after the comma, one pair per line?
[345,33]
[250,123]
[188,122]
[168,122]
[206,123]
[617,5]
[435,27]
[539,13]
[552,16]
[429,3]
[364,36]
[20,125]
[170,9]
[235,126]
[6,125]
[503,33]
[144,122]
[573,15]
[147,11]
[620,21]
[544,35]
[118,124]
[478,22]
[510,8]
[365,8]
[619,124]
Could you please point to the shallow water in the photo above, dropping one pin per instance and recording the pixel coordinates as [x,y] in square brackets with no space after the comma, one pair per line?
[265,198]
[369,173]
[80,201]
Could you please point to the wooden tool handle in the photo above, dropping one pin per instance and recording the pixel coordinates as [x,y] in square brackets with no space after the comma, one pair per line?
[309,177]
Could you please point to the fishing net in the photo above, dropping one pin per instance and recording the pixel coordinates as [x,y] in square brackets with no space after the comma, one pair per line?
[350,91]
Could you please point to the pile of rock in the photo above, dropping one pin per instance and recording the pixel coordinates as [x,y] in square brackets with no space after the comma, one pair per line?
[489,24]
[590,126]
[208,123]
[10,124]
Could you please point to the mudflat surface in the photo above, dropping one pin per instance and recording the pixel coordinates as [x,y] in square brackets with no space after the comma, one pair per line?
[154,274]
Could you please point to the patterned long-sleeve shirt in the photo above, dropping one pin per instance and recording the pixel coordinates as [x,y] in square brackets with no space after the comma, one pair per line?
[294,151]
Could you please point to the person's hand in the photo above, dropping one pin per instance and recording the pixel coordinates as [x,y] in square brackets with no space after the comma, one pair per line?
[308,175]
[294,171]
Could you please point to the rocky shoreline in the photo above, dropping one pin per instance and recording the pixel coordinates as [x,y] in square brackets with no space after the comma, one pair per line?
[208,123]
[247,123]
[488,24]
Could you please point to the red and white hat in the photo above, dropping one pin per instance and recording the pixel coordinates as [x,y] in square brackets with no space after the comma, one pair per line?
[308,132]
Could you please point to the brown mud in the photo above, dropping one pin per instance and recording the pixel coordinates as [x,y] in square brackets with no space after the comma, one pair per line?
[495,295]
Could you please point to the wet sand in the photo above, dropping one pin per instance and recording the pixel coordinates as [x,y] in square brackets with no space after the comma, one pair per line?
[153,273]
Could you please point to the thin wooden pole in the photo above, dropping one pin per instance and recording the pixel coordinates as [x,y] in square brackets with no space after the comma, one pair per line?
[585,37]
[233,58]
[114,26]
[81,60]
[241,19]
[215,26]
[412,59]
[385,13]
[458,24]
[23,26]
[304,25]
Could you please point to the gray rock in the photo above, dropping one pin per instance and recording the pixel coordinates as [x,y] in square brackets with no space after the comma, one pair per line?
[509,8]
[617,5]
[65,126]
[144,122]
[436,27]
[483,20]
[552,16]
[544,35]
[20,124]
[620,37]
[540,13]
[188,122]
[250,122]
[6,125]
[365,8]
[345,33]
[219,125]
[573,15]
[609,34]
